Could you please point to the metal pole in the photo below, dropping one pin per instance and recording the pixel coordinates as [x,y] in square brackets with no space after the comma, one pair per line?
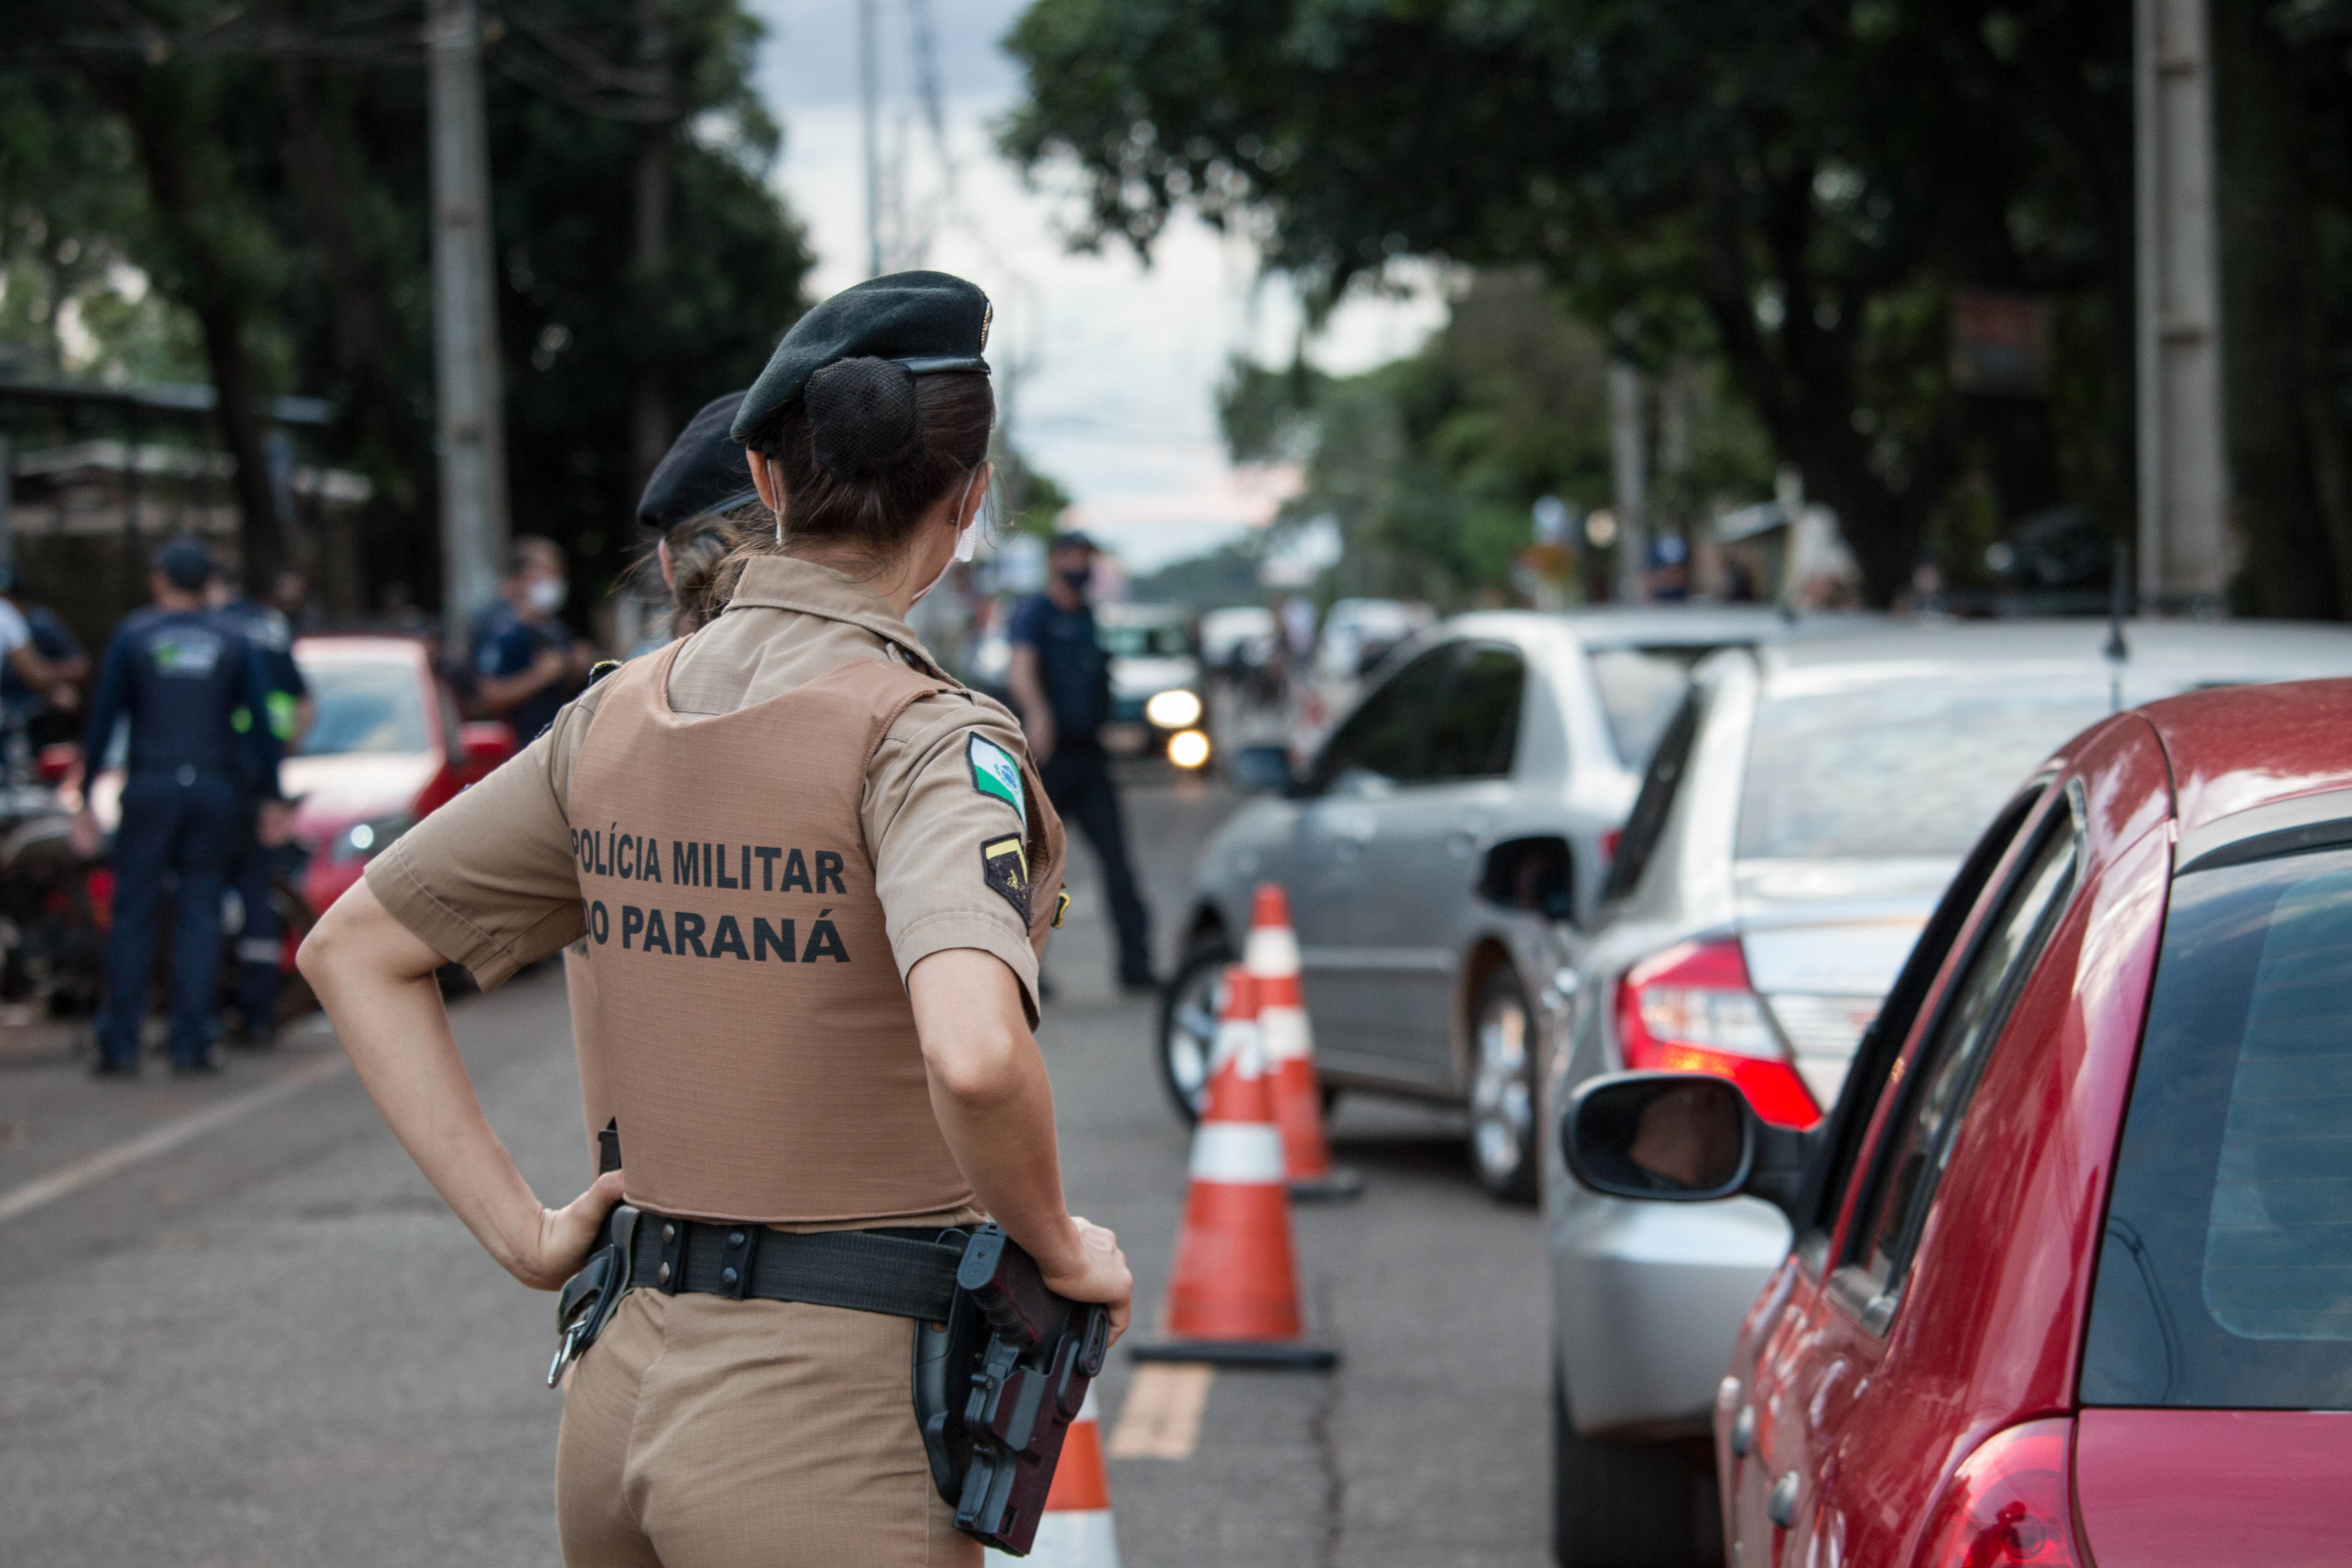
[472,432]
[2183,467]
[1628,479]
[869,65]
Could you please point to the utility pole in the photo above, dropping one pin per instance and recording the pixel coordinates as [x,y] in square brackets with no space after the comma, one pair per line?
[870,67]
[472,430]
[2184,480]
[1628,479]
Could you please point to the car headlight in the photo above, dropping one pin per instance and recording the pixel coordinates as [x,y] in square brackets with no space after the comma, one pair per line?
[1188,748]
[1174,708]
[362,840]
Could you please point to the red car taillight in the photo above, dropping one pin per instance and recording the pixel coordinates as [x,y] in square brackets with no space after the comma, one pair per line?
[2009,1504]
[1692,1009]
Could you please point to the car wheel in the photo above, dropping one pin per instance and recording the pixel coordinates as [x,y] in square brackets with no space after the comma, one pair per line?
[1187,1024]
[1631,1505]
[1502,1088]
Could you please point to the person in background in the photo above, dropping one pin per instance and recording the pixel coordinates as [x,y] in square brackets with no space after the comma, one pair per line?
[288,710]
[526,663]
[1060,678]
[697,505]
[46,705]
[289,595]
[179,674]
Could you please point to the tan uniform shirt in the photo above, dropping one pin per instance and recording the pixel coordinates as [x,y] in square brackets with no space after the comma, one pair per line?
[489,881]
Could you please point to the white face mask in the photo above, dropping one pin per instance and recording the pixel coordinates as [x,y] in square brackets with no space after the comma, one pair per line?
[967,539]
[545,595]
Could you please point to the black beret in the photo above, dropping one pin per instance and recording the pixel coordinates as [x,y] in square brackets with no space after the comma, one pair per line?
[703,471]
[927,321]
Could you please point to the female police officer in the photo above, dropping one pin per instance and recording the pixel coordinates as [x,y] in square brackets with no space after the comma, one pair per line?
[814,873]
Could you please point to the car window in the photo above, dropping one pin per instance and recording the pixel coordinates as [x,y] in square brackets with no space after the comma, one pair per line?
[1647,823]
[1873,1061]
[364,707]
[1909,1163]
[1147,640]
[1895,770]
[2225,1269]
[1641,691]
[1476,732]
[1385,737]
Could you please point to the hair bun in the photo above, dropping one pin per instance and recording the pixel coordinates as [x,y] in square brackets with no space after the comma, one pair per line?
[863,418]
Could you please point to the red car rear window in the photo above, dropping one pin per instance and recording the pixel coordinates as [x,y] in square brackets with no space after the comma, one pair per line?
[2225,1272]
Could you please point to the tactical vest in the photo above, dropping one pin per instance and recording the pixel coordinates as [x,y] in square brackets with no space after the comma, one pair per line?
[757,1042]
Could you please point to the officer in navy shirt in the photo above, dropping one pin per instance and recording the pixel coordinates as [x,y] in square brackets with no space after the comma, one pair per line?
[180,677]
[1061,684]
[526,665]
[261,938]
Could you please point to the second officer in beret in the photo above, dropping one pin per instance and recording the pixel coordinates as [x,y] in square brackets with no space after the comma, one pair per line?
[814,873]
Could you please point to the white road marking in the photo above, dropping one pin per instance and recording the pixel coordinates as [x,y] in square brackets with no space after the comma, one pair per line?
[18,1201]
[1162,1418]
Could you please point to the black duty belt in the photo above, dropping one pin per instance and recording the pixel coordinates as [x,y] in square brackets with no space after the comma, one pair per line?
[1000,1363]
[905,1273]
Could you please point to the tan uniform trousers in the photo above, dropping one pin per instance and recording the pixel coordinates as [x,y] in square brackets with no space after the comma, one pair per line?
[700,1432]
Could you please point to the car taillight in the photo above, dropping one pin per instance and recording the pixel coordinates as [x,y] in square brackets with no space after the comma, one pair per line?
[1610,839]
[2009,1504]
[1692,1009]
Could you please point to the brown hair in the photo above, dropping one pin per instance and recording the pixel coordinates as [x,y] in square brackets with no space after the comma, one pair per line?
[861,458]
[698,549]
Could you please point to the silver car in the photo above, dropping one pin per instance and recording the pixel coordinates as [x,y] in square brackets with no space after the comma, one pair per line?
[1799,819]
[1463,809]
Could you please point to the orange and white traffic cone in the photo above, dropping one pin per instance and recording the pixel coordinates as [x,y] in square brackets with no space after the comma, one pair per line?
[1232,1296]
[1272,959]
[1076,1529]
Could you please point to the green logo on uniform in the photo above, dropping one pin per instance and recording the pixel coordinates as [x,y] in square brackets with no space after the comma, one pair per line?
[993,771]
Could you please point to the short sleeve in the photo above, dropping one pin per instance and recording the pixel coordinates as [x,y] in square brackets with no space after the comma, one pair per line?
[955,830]
[1022,629]
[506,651]
[488,880]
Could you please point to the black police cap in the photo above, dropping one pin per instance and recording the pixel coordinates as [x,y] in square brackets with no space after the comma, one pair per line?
[702,472]
[926,323]
[185,564]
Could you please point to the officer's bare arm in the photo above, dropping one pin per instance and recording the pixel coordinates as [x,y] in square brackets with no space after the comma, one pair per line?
[991,1095]
[1029,697]
[376,981]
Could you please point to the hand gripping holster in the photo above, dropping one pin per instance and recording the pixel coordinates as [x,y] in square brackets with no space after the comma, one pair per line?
[997,1385]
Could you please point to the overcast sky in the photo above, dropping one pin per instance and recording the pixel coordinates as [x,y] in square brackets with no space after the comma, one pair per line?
[1112,367]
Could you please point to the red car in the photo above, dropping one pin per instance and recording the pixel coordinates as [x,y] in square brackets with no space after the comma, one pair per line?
[385,748]
[2073,1275]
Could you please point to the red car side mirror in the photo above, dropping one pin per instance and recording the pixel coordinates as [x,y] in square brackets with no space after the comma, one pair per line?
[487,742]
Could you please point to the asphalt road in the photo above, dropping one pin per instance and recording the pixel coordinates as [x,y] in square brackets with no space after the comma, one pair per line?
[237,1328]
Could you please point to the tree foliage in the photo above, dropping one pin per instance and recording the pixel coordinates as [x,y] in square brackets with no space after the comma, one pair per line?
[1793,185]
[263,164]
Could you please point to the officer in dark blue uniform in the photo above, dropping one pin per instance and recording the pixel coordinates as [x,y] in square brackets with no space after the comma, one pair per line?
[1060,685]
[261,938]
[179,676]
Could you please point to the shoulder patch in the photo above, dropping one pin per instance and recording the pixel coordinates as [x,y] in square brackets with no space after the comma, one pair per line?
[993,771]
[1061,908]
[1004,867]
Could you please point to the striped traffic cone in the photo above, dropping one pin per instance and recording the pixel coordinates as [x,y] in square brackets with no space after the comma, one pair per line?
[1232,1296]
[1272,959]
[1076,1529]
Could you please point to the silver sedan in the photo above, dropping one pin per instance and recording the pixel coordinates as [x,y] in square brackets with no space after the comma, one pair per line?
[1465,807]
[1799,820]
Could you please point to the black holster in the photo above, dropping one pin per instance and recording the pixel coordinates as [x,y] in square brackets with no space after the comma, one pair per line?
[997,1385]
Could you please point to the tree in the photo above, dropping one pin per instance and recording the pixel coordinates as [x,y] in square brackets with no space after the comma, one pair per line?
[1794,185]
[280,146]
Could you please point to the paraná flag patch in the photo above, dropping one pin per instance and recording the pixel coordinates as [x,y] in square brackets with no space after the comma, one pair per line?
[993,771]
